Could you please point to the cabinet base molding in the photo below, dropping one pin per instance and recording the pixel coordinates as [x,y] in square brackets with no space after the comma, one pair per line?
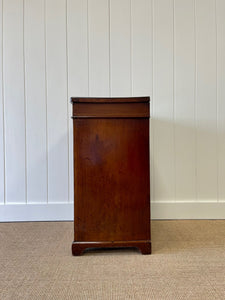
[78,248]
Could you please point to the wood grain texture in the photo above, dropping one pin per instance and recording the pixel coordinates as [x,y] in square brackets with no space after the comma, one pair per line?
[111,179]
[114,110]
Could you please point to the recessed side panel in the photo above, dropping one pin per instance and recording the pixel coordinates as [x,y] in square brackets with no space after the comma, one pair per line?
[112,193]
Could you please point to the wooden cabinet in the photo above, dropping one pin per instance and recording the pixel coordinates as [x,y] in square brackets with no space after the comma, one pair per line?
[111,173]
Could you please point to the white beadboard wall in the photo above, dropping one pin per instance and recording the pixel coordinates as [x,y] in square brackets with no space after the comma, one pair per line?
[171,50]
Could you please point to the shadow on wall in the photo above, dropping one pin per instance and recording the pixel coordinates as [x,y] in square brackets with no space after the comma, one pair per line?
[187,163]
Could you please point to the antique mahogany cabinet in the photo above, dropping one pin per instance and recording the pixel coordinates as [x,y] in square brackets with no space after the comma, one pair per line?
[111,173]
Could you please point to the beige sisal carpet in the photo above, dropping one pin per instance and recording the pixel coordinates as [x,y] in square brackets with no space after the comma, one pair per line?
[188,262]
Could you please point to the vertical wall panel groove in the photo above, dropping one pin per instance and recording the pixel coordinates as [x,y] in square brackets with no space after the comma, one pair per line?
[217,140]
[195,101]
[77,43]
[88,56]
[13,70]
[46,93]
[2,133]
[120,48]
[109,13]
[57,101]
[206,101]
[69,113]
[98,47]
[174,101]
[141,37]
[152,115]
[163,102]
[217,120]
[35,94]
[220,16]
[131,50]
[25,101]
[69,136]
[184,93]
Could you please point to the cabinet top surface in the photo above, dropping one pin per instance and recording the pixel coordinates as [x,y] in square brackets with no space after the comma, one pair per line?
[110,100]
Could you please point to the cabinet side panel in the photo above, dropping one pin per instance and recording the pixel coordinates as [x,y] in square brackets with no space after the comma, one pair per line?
[112,193]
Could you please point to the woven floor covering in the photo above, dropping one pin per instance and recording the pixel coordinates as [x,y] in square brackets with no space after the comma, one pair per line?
[188,262]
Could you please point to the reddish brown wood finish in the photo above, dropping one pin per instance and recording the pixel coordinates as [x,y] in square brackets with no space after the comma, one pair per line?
[79,248]
[111,174]
[115,110]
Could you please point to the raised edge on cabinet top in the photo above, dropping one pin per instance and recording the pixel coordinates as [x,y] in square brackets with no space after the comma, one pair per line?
[110,99]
